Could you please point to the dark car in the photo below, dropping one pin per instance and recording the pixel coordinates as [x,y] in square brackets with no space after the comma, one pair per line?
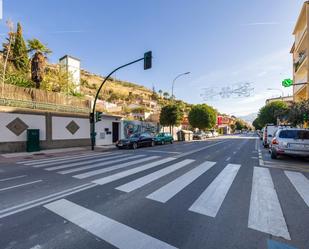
[136,140]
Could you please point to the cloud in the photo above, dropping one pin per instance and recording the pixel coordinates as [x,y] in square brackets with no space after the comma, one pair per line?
[260,23]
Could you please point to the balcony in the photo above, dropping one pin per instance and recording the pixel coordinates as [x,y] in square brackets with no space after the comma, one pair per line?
[302,56]
[299,37]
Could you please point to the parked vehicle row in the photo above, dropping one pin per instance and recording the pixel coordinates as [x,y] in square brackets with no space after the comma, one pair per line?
[284,140]
[145,139]
[201,135]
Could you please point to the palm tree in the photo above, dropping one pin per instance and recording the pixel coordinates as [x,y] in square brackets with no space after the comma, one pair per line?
[166,95]
[38,60]
[160,93]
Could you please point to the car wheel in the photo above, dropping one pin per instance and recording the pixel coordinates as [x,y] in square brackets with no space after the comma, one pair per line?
[171,141]
[152,143]
[162,142]
[134,146]
[273,155]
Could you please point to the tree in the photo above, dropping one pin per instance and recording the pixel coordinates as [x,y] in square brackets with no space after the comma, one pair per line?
[239,125]
[166,95]
[38,60]
[171,115]
[160,93]
[19,51]
[270,113]
[256,124]
[299,113]
[202,117]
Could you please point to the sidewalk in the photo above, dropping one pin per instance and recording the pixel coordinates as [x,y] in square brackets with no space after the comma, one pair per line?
[55,152]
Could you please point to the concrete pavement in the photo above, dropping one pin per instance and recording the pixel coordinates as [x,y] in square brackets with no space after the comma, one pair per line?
[219,193]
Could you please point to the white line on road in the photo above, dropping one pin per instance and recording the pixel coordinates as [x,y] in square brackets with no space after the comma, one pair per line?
[133,185]
[162,151]
[301,184]
[212,198]
[265,212]
[228,159]
[111,231]
[111,178]
[76,161]
[43,200]
[108,169]
[56,159]
[11,178]
[171,189]
[20,185]
[101,161]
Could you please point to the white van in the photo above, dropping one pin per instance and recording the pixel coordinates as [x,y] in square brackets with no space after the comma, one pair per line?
[268,134]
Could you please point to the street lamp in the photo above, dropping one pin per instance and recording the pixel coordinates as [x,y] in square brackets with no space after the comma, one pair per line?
[277,89]
[179,75]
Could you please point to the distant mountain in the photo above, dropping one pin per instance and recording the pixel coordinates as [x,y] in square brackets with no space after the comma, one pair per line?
[249,118]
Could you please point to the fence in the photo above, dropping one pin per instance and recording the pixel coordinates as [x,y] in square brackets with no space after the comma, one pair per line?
[41,99]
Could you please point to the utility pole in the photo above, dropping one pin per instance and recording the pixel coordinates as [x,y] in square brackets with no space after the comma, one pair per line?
[147,65]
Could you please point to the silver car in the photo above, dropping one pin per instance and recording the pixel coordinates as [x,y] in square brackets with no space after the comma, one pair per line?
[290,141]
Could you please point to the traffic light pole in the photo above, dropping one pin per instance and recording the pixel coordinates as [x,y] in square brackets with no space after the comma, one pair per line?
[92,114]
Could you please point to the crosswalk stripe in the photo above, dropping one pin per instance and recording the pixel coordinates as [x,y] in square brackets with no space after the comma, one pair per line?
[301,184]
[210,201]
[169,190]
[115,233]
[114,167]
[56,159]
[104,161]
[111,178]
[133,185]
[265,212]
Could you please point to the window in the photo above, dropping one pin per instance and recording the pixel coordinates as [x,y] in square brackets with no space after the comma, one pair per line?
[294,134]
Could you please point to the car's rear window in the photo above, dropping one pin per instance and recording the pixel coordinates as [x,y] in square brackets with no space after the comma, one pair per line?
[294,134]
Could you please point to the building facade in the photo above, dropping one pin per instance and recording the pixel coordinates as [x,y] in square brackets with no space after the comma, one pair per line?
[300,55]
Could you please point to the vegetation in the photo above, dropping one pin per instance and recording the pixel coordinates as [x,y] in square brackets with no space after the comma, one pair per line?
[20,57]
[202,117]
[299,113]
[171,115]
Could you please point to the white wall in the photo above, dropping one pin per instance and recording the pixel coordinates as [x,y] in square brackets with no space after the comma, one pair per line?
[60,132]
[33,122]
[102,138]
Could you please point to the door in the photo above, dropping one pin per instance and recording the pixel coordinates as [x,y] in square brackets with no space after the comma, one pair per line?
[115,132]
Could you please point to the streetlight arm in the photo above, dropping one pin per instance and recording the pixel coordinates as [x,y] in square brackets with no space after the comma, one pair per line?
[179,75]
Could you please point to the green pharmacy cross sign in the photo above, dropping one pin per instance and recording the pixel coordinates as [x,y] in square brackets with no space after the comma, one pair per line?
[287,82]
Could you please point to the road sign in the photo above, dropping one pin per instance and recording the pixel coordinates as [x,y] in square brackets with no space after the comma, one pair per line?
[287,82]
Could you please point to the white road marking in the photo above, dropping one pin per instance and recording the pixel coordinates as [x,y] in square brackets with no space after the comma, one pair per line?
[133,185]
[265,212]
[76,160]
[111,178]
[40,201]
[20,185]
[228,159]
[162,151]
[101,161]
[55,159]
[111,231]
[234,152]
[301,184]
[100,171]
[212,198]
[11,178]
[171,189]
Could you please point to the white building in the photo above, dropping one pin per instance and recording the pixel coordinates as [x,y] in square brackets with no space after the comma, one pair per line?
[71,65]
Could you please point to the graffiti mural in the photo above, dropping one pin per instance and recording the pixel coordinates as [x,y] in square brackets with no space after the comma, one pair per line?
[131,127]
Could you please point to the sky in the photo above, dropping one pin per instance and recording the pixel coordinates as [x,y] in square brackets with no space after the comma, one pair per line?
[221,43]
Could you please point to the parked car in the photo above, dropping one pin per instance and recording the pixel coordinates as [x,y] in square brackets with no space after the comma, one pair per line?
[200,135]
[163,138]
[208,134]
[268,134]
[290,141]
[136,140]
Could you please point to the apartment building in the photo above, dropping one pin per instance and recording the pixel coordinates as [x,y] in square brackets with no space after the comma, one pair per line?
[300,55]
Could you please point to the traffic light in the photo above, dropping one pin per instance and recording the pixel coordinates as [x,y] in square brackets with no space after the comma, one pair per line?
[287,82]
[98,116]
[147,60]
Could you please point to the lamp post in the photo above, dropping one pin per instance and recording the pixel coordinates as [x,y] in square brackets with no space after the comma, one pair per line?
[277,89]
[179,75]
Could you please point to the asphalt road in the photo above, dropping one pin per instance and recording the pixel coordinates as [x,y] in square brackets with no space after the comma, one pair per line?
[220,193]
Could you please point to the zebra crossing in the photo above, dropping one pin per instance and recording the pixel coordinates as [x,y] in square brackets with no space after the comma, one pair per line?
[265,212]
